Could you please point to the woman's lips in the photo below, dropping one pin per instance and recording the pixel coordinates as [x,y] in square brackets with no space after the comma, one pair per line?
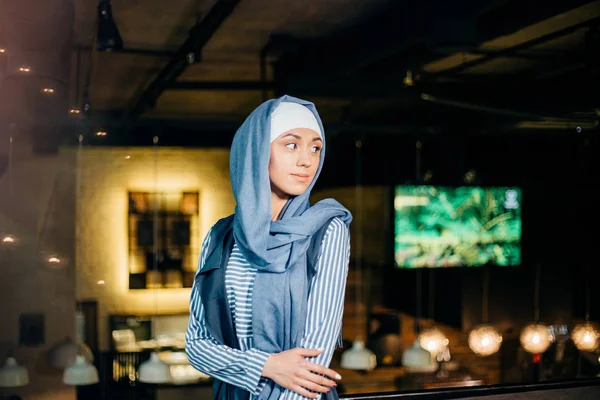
[301,177]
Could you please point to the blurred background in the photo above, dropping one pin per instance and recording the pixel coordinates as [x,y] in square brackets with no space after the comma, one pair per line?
[463,137]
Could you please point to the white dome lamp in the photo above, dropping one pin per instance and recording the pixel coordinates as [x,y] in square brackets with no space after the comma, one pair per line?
[80,373]
[65,353]
[416,357]
[154,370]
[484,339]
[359,357]
[13,375]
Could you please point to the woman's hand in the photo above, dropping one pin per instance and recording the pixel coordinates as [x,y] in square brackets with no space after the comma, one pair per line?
[291,370]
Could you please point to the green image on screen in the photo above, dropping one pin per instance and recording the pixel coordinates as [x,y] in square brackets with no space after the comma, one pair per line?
[437,227]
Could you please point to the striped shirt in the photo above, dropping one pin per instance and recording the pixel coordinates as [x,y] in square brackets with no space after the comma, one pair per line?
[243,367]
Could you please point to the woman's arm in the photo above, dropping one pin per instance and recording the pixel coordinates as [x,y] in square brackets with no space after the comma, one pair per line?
[326,299]
[239,368]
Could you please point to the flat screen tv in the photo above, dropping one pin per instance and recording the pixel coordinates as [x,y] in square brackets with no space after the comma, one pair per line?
[441,226]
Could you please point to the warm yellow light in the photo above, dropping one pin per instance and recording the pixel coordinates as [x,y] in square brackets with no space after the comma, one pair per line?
[54,260]
[586,336]
[484,340]
[433,340]
[8,239]
[24,69]
[2,50]
[101,282]
[48,90]
[101,133]
[74,111]
[536,338]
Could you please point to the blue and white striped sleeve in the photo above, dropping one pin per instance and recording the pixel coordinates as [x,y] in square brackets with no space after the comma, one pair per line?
[326,299]
[239,368]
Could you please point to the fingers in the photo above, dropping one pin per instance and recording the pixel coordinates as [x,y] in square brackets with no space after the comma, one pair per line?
[303,392]
[308,352]
[319,369]
[312,386]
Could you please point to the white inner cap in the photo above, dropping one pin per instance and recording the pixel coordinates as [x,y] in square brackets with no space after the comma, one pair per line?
[288,116]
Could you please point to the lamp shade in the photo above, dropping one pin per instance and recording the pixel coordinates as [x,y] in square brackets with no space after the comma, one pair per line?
[485,340]
[416,356]
[154,370]
[80,373]
[433,340]
[358,357]
[586,336]
[64,353]
[536,338]
[109,38]
[13,374]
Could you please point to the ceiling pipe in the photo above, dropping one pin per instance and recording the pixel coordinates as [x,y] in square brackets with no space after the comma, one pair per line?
[199,36]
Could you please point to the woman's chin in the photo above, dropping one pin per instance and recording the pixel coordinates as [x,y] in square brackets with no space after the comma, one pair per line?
[295,190]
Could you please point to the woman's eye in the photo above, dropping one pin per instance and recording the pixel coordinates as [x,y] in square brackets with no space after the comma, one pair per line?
[291,146]
[315,149]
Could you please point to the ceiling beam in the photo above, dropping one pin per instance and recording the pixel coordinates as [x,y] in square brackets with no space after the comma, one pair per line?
[199,36]
[394,29]
[509,51]
[133,50]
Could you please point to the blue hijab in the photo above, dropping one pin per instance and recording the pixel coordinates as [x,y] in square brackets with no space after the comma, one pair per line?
[278,249]
[267,244]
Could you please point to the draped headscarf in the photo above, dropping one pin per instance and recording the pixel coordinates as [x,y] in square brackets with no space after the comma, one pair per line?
[267,244]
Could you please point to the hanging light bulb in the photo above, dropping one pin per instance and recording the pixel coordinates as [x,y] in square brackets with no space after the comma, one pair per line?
[8,239]
[485,340]
[433,340]
[536,338]
[80,373]
[154,370]
[109,38]
[13,374]
[586,336]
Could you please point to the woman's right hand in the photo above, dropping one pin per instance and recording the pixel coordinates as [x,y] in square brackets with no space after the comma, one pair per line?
[291,370]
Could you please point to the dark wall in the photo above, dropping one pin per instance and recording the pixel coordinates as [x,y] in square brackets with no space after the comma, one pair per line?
[560,220]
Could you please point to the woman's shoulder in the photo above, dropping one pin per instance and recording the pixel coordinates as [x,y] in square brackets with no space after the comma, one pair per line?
[218,228]
[336,228]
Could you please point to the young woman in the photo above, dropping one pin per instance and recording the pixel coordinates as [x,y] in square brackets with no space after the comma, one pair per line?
[267,302]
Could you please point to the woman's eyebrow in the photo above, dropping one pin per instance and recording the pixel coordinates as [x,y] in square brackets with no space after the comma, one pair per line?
[317,138]
[293,135]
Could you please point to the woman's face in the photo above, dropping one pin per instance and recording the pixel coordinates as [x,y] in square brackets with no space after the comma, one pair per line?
[295,157]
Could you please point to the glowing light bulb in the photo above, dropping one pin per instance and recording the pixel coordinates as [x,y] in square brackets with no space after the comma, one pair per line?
[8,239]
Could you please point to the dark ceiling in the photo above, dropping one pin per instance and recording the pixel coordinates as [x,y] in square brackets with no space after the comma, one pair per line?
[387,66]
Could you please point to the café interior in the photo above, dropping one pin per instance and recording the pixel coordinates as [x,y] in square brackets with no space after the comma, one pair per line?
[460,135]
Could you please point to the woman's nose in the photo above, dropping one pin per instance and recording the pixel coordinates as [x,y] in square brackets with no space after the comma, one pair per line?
[304,159]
